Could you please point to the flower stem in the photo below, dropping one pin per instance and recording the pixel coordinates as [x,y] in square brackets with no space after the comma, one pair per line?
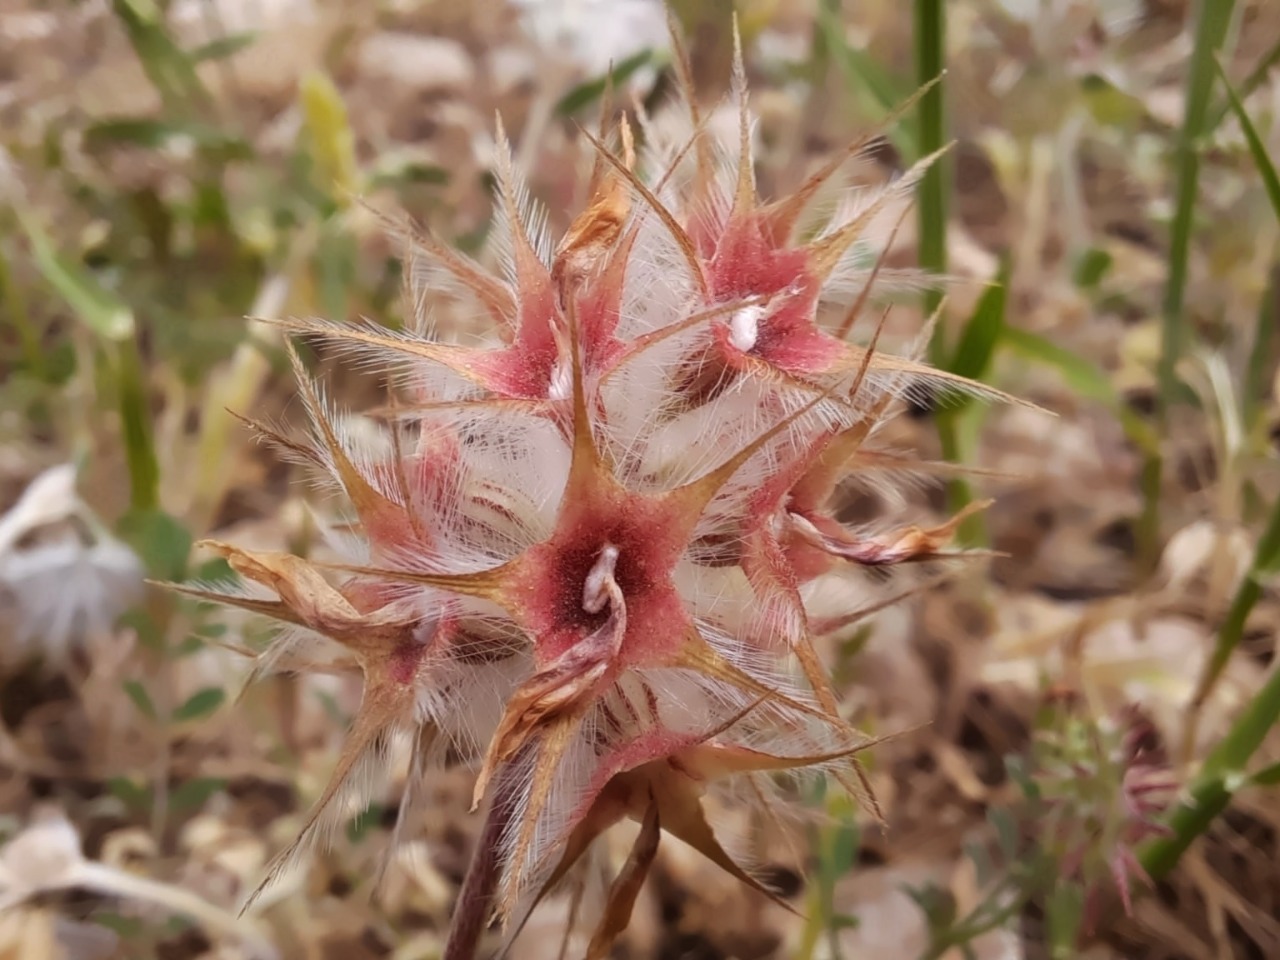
[475,900]
[930,40]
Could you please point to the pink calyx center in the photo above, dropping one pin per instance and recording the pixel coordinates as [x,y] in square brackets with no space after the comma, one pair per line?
[608,570]
[746,263]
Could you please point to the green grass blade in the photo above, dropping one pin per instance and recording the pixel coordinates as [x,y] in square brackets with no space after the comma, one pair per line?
[1262,352]
[878,92]
[1084,379]
[1222,775]
[1223,772]
[1231,633]
[973,353]
[152,133]
[1246,87]
[15,307]
[590,91]
[982,333]
[169,68]
[1212,22]
[1213,19]
[134,404]
[223,48]
[113,323]
[1257,149]
[930,52]
[95,307]
[1267,776]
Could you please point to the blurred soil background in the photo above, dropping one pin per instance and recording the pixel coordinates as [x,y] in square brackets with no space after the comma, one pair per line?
[167,169]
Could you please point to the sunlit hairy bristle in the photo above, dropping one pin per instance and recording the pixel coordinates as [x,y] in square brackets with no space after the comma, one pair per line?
[582,547]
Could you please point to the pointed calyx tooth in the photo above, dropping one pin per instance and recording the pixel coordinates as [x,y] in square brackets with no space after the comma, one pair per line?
[596,231]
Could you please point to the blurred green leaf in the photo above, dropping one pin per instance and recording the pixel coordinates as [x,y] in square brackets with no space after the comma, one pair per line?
[15,306]
[937,904]
[329,132]
[98,309]
[395,173]
[1064,912]
[1082,377]
[171,70]
[157,221]
[980,335]
[863,74]
[223,47]
[136,796]
[592,90]
[984,869]
[126,927]
[135,418]
[136,692]
[1080,374]
[1109,105]
[1019,772]
[961,420]
[358,827]
[211,211]
[1267,777]
[335,269]
[1091,267]
[186,647]
[1260,371]
[192,794]
[200,704]
[160,540]
[160,134]
[1001,820]
[211,631]
[144,626]
[215,570]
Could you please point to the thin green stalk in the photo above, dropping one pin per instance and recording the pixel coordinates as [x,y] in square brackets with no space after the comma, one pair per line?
[931,200]
[836,849]
[1231,632]
[1213,19]
[11,296]
[1246,87]
[1222,775]
[1262,356]
[135,421]
[930,44]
